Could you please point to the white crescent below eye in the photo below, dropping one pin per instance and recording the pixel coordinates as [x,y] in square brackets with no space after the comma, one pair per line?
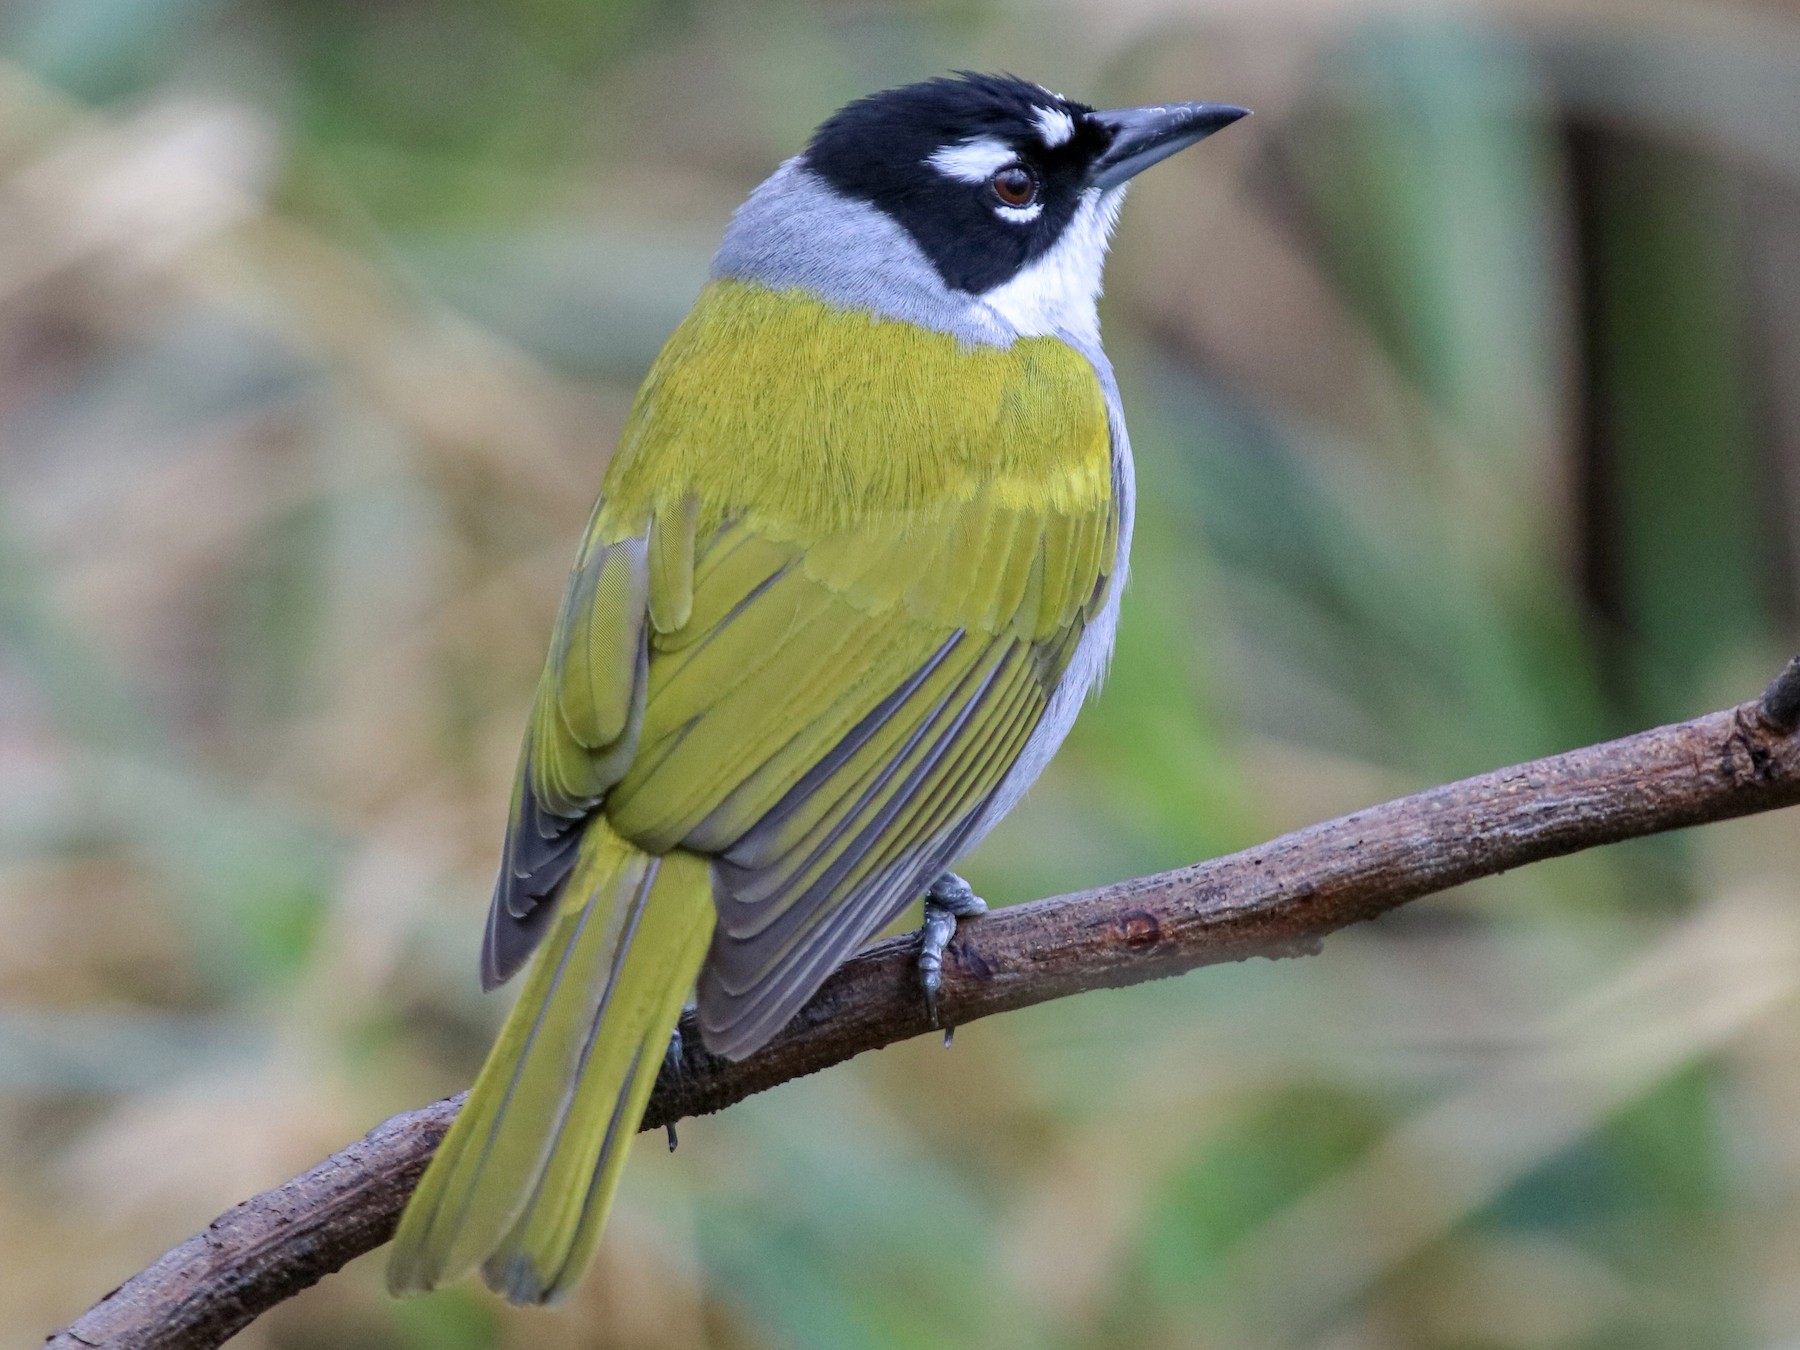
[1020,215]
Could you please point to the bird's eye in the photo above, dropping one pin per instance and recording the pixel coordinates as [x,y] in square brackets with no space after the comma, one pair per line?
[1015,185]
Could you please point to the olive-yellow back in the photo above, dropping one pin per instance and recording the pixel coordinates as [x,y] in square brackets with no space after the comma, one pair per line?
[855,416]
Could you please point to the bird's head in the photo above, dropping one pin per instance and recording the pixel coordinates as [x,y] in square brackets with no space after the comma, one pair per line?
[980,206]
[989,173]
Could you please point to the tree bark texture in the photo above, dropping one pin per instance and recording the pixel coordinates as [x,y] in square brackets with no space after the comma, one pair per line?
[1278,899]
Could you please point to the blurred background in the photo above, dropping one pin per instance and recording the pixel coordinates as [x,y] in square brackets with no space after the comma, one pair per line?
[1465,383]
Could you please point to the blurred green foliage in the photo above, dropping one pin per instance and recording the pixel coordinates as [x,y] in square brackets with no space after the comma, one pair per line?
[1465,384]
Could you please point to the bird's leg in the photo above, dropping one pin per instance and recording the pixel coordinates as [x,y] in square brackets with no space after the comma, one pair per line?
[950,898]
[672,1060]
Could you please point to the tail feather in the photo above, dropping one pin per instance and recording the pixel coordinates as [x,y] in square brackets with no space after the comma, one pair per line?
[522,1182]
[554,1237]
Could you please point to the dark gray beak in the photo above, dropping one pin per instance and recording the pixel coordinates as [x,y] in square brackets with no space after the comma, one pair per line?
[1141,136]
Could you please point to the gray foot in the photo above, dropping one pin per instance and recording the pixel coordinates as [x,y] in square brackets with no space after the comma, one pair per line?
[949,899]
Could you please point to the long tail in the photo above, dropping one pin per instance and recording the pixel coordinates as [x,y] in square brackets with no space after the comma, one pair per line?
[523,1180]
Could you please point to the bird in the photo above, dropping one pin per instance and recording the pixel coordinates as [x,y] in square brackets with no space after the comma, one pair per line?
[855,565]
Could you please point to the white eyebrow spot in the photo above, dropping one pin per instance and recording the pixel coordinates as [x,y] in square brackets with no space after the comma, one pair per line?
[1054,125]
[973,161]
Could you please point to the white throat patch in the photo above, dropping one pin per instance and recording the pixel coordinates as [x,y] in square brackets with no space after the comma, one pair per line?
[1055,295]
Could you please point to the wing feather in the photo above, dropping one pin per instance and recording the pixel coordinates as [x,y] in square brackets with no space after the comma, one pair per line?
[832,720]
[900,837]
[822,723]
[583,733]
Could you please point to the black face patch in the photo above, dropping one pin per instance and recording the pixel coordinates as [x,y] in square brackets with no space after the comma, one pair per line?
[879,150]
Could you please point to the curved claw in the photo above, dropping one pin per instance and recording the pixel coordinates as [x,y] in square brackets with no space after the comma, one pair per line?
[672,1061]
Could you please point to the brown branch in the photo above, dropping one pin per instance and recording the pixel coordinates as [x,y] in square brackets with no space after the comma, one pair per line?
[1278,899]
